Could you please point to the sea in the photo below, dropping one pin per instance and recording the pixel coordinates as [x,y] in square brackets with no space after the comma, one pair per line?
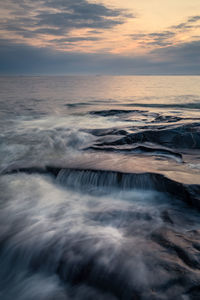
[99,187]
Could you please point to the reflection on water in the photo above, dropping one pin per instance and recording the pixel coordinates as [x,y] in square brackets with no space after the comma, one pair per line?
[28,95]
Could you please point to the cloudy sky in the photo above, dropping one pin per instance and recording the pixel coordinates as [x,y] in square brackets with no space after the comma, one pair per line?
[100,37]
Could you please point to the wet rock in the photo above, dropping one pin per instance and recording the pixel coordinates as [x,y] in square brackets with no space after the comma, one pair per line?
[186,136]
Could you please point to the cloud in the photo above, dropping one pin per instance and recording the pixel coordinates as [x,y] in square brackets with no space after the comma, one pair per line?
[190,23]
[193,19]
[34,18]
[76,39]
[155,38]
[68,21]
[167,37]
[181,26]
[24,59]
[185,54]
[28,20]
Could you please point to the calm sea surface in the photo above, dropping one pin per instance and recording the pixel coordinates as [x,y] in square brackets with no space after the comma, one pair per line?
[99,187]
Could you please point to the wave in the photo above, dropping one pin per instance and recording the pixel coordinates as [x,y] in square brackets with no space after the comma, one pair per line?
[114,112]
[144,150]
[88,180]
[62,243]
[189,105]
[158,118]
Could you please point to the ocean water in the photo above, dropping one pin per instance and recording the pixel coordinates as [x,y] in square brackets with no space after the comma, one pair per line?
[100,187]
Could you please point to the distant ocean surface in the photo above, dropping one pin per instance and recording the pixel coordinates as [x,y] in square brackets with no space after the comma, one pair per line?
[99,187]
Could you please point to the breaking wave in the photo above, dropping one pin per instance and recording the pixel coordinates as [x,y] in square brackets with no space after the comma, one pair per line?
[85,234]
[100,196]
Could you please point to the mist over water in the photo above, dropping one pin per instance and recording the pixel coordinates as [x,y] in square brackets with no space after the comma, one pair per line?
[99,187]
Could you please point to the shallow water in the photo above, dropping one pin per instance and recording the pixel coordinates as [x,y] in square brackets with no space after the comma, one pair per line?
[99,187]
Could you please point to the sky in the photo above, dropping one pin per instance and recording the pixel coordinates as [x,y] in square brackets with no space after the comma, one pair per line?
[120,37]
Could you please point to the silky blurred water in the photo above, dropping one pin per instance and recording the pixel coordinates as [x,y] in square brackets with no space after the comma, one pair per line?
[99,187]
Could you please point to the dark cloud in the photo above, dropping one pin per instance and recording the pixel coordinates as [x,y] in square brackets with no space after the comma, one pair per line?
[161,38]
[95,31]
[76,39]
[155,38]
[32,18]
[194,19]
[83,8]
[23,59]
[68,21]
[185,53]
[190,23]
[182,26]
[166,37]
[46,31]
[138,36]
